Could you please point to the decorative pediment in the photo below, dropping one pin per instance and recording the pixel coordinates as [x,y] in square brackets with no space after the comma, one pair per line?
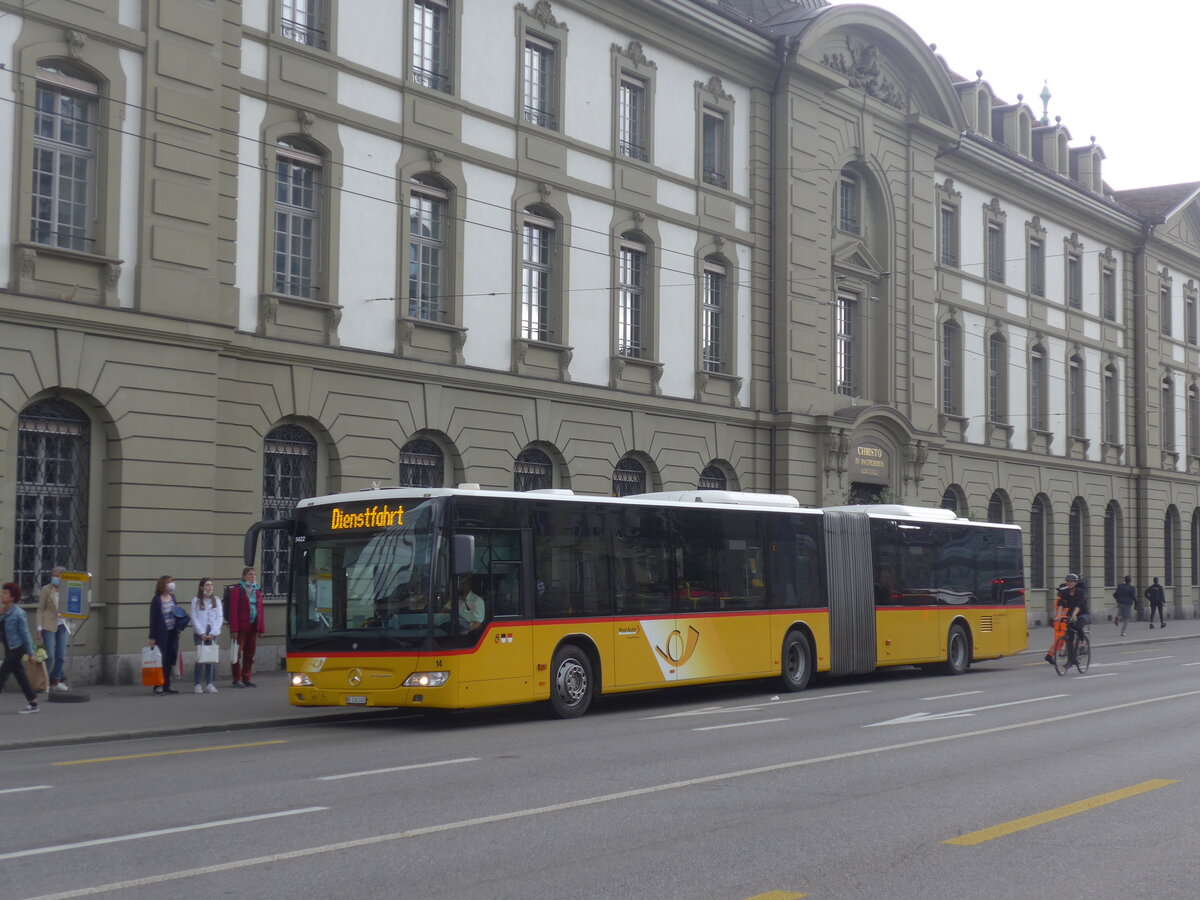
[634,53]
[854,256]
[860,63]
[543,13]
[715,87]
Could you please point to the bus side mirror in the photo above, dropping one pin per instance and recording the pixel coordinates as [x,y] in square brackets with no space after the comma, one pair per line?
[464,554]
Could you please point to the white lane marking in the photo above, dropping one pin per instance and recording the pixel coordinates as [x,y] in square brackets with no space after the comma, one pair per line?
[32,787]
[593,801]
[740,724]
[1185,665]
[949,696]
[443,762]
[958,713]
[57,848]
[1128,662]
[1101,675]
[750,707]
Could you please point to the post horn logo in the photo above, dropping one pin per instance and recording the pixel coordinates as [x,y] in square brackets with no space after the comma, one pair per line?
[678,652]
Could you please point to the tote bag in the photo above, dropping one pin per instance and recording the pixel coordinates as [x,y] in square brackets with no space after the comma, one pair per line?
[207,653]
[152,673]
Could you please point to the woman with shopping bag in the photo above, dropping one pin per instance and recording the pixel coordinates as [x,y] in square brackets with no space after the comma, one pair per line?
[207,620]
[164,629]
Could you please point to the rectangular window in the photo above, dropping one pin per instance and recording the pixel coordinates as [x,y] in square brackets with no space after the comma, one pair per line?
[715,149]
[1037,391]
[845,352]
[1111,420]
[426,245]
[631,294]
[631,136]
[949,235]
[1108,288]
[300,21]
[297,192]
[997,370]
[1075,397]
[995,253]
[1189,311]
[1193,422]
[712,319]
[950,351]
[539,89]
[1165,311]
[64,162]
[1037,268]
[1168,414]
[848,204]
[430,47]
[537,257]
[1074,282]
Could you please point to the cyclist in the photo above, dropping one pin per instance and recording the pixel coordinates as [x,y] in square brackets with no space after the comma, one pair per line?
[1072,605]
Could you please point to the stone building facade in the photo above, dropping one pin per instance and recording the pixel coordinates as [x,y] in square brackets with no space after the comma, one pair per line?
[264,249]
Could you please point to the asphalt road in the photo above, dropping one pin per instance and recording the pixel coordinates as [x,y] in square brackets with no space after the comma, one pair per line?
[851,789]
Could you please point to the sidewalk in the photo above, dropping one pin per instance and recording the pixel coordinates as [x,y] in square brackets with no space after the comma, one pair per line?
[122,712]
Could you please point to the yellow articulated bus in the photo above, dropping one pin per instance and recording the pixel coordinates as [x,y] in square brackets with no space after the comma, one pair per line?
[450,598]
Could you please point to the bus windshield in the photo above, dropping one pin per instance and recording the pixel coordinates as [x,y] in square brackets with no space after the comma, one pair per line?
[359,586]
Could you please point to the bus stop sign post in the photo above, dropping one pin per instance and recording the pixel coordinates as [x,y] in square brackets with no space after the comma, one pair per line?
[77,588]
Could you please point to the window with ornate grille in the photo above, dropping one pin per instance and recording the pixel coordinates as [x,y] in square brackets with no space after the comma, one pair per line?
[431,44]
[300,21]
[426,251]
[289,475]
[297,220]
[422,464]
[533,471]
[629,477]
[712,479]
[53,467]
[64,161]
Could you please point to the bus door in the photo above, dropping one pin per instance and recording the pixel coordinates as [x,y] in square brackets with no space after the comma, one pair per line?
[502,643]
[646,642]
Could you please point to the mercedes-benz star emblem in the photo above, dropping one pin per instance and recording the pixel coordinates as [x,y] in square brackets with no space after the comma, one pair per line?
[355,677]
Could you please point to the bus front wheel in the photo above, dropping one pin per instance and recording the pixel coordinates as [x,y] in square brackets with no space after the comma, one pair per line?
[958,651]
[797,662]
[572,688]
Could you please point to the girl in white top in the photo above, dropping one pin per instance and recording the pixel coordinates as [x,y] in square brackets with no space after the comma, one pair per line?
[207,619]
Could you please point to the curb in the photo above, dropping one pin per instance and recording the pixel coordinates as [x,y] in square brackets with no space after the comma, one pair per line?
[241,725]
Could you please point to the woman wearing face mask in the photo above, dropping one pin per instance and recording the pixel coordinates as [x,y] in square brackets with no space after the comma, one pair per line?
[207,620]
[164,629]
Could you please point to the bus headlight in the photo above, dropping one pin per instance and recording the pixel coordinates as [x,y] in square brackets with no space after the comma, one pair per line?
[301,680]
[426,679]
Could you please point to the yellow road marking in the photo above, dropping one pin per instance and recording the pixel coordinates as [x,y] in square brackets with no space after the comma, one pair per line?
[1051,815]
[80,762]
[777,895]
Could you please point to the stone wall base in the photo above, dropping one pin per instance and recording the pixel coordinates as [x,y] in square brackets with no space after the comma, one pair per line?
[82,671]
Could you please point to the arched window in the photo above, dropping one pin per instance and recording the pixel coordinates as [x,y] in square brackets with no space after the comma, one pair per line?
[422,464]
[1112,542]
[533,471]
[53,467]
[950,500]
[297,219]
[1077,525]
[629,477]
[1039,517]
[712,479]
[289,475]
[999,508]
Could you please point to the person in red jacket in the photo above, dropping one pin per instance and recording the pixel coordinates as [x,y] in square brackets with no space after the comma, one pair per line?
[245,615]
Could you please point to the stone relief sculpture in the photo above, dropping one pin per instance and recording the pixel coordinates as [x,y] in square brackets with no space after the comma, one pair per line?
[863,71]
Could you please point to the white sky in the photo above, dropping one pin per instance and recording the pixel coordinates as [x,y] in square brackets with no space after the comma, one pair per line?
[1124,72]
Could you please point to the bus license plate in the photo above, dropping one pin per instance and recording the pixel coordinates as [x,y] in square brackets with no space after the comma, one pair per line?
[356,701]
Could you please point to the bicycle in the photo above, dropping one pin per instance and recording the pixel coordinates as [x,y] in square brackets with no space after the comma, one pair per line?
[1062,649]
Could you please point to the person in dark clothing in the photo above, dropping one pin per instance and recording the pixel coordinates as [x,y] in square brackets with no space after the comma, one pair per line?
[1126,596]
[1072,597]
[164,629]
[16,643]
[1158,599]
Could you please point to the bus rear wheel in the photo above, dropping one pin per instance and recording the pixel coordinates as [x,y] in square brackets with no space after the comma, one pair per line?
[572,688]
[797,662]
[958,651]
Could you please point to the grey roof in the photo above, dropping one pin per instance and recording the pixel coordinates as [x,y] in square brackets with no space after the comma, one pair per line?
[768,12]
[1157,203]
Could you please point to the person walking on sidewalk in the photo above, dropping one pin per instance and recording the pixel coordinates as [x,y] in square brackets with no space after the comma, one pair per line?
[245,625]
[17,641]
[1126,596]
[1158,599]
[52,630]
[164,629]
[207,619]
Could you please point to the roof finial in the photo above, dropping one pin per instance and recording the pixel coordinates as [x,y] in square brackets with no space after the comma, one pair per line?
[1045,95]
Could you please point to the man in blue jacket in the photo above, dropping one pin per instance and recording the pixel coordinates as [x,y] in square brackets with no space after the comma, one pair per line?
[14,634]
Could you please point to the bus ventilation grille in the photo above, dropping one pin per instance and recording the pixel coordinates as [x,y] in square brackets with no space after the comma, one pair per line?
[985,623]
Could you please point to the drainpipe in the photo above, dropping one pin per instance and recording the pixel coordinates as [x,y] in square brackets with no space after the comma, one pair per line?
[1141,449]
